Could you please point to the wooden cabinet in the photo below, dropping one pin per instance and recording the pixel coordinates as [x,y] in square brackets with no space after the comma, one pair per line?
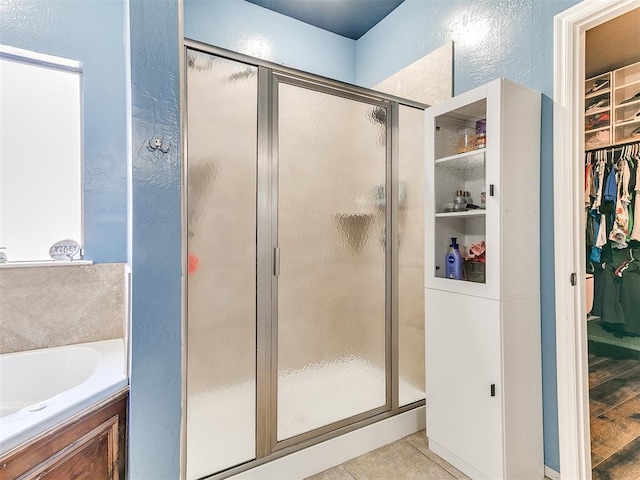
[483,358]
[90,446]
[612,108]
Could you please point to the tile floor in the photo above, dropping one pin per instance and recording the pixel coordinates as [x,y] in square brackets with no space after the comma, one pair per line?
[406,459]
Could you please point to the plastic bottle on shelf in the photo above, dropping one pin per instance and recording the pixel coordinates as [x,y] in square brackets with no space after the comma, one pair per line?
[468,197]
[481,133]
[453,261]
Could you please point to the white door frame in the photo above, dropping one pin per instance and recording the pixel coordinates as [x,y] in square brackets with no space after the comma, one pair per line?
[568,182]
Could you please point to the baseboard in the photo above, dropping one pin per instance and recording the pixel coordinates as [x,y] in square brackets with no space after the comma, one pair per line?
[325,455]
[457,462]
[551,474]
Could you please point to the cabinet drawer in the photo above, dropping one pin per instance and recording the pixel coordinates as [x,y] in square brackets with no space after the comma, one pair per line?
[91,457]
[90,446]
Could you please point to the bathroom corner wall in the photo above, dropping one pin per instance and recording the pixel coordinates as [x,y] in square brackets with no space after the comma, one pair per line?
[246,28]
[493,38]
[428,80]
[49,306]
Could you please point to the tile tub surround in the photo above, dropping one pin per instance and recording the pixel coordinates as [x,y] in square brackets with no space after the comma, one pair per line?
[43,307]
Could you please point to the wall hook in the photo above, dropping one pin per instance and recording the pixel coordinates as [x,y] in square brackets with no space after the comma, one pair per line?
[156,144]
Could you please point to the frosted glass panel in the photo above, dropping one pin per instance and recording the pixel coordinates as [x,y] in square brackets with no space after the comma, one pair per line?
[331,234]
[411,255]
[221,372]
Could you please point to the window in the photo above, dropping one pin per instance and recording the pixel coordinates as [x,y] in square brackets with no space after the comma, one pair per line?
[40,153]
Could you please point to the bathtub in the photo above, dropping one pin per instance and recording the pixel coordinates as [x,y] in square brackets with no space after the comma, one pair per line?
[41,388]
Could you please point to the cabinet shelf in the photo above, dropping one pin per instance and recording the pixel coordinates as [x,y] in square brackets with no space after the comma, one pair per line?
[597,129]
[623,86]
[627,113]
[635,103]
[479,212]
[628,122]
[596,111]
[472,158]
[630,84]
[597,93]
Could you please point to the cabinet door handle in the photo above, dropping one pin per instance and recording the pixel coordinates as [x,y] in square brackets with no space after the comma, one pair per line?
[491,190]
[276,261]
[493,389]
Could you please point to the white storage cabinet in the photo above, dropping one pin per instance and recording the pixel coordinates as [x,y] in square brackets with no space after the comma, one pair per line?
[483,359]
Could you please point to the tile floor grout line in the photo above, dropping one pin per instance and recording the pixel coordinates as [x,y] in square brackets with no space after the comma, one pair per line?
[626,371]
[602,412]
[622,448]
[602,359]
[637,394]
[415,448]
[614,453]
[344,465]
[614,377]
[431,459]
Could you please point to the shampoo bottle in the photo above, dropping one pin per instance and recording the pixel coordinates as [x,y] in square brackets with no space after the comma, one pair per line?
[453,261]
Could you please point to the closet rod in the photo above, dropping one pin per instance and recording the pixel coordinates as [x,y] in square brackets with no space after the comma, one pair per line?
[613,148]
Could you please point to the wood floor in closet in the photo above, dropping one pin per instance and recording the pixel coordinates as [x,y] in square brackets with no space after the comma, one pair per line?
[614,397]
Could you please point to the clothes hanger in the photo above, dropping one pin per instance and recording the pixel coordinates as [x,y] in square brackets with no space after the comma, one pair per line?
[624,265]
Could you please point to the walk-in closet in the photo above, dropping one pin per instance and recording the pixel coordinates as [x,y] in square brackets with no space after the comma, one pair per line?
[612,244]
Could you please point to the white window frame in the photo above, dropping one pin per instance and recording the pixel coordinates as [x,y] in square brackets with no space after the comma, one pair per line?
[62,64]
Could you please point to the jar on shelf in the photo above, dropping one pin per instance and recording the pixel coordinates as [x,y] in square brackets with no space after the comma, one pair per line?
[466,140]
[481,133]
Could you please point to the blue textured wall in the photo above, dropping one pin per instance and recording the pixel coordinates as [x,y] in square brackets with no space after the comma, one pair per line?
[246,28]
[492,38]
[517,44]
[156,258]
[91,31]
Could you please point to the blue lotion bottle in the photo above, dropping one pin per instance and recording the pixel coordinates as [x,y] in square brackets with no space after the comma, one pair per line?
[453,261]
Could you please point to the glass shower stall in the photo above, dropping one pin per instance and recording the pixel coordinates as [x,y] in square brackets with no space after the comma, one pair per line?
[304,201]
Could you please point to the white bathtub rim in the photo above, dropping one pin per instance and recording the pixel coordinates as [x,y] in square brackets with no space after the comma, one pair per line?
[108,379]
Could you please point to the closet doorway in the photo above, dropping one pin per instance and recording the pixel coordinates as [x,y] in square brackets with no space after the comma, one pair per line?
[612,244]
[596,143]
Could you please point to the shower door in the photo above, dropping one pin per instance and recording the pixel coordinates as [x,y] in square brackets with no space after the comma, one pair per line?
[221,242]
[300,231]
[331,250]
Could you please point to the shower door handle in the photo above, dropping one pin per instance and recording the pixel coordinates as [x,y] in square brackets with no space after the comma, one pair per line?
[276,261]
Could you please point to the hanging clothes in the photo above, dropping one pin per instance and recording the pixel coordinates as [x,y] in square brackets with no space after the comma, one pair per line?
[612,209]
[630,294]
[599,221]
[635,233]
[599,181]
[620,228]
